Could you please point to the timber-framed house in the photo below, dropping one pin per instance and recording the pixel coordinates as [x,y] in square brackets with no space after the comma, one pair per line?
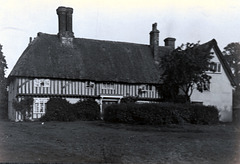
[65,66]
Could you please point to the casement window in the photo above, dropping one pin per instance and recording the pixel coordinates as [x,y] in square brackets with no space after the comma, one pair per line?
[148,87]
[107,86]
[215,67]
[39,105]
[90,84]
[42,83]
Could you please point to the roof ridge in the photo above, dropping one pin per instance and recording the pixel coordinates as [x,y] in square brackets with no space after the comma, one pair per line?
[39,34]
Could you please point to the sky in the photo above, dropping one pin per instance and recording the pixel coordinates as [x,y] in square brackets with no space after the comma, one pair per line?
[120,20]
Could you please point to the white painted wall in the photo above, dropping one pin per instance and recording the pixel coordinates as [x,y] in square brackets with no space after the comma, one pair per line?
[220,94]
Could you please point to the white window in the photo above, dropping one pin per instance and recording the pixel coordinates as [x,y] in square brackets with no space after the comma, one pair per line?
[90,84]
[42,83]
[215,67]
[145,88]
[39,105]
[108,86]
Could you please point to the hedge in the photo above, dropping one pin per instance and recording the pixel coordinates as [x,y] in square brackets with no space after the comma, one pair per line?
[161,114]
[61,110]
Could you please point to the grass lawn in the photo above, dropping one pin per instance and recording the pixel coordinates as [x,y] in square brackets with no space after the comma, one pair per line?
[99,142]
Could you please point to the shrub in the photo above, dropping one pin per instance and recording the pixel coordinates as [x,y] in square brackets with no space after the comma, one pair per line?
[87,110]
[128,99]
[161,114]
[24,106]
[204,114]
[58,110]
[61,110]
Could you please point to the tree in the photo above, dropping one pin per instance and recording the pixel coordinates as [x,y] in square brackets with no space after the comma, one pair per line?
[3,85]
[232,55]
[184,70]
[24,106]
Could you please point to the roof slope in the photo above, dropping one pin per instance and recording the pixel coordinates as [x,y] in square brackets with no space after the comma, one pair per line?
[88,59]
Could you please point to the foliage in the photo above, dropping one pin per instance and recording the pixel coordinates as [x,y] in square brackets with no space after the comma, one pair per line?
[161,114]
[3,85]
[204,114]
[58,110]
[129,99]
[184,70]
[231,54]
[61,110]
[24,106]
[87,110]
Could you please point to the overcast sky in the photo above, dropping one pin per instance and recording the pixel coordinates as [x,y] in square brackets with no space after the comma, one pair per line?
[120,20]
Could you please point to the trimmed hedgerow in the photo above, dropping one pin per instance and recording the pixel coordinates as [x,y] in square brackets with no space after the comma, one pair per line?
[87,110]
[161,114]
[61,110]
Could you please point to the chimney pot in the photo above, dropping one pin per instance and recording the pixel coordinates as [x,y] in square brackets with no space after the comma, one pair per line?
[69,19]
[154,27]
[170,42]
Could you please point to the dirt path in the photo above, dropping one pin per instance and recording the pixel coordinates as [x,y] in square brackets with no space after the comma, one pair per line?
[99,142]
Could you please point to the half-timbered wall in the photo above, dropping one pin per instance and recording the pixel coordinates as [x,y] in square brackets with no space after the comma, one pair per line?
[79,88]
[56,87]
[42,89]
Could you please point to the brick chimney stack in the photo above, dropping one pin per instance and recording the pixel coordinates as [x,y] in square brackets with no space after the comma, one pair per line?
[65,32]
[154,41]
[69,19]
[170,42]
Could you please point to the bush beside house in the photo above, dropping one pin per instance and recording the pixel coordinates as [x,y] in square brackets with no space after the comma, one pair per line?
[87,110]
[132,113]
[161,114]
[61,110]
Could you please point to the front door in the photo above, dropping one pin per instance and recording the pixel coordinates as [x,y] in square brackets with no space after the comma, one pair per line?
[107,100]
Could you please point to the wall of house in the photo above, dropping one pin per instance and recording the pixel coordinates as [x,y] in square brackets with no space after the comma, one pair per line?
[219,95]
[73,91]
[28,86]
